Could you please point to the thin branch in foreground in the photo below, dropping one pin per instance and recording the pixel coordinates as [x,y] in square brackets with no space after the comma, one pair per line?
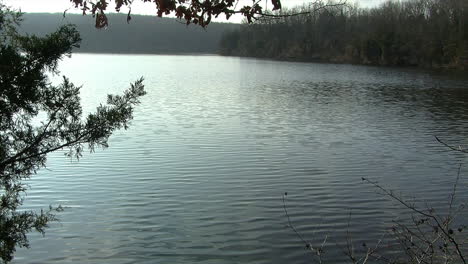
[317,251]
[454,191]
[439,224]
[289,221]
[459,149]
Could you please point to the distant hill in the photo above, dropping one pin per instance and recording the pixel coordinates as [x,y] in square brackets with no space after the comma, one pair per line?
[144,34]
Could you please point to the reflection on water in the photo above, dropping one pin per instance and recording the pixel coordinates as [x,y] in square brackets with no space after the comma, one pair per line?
[199,175]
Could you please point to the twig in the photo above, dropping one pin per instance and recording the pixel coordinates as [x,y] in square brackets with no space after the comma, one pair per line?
[452,196]
[317,251]
[419,211]
[290,224]
[459,149]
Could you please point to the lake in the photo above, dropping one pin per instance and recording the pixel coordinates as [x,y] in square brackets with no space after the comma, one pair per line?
[200,174]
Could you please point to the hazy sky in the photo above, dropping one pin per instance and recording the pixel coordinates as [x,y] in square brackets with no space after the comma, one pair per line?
[52,6]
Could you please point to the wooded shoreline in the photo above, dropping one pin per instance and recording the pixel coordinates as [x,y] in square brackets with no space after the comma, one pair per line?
[424,33]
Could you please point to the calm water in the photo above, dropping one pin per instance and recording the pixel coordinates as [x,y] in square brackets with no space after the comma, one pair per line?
[199,176]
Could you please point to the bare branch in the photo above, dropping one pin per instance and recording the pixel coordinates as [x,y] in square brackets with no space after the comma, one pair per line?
[459,149]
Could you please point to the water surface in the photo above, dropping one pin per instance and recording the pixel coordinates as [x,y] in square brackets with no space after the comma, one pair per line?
[199,176]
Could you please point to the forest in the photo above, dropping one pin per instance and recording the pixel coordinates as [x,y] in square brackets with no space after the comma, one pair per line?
[423,33]
[142,35]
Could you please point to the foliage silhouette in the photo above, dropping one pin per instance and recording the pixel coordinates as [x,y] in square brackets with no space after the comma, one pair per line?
[192,11]
[198,12]
[25,95]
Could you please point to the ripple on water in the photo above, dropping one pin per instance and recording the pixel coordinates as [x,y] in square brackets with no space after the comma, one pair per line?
[200,174]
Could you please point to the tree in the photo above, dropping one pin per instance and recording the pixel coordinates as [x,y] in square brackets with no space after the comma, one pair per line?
[25,95]
[192,11]
[198,12]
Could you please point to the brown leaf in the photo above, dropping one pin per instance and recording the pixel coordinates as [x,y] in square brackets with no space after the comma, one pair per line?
[128,16]
[276,4]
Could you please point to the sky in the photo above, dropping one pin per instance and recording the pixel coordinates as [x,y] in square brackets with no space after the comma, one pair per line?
[138,7]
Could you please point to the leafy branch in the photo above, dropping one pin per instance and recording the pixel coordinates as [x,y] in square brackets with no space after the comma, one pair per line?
[200,12]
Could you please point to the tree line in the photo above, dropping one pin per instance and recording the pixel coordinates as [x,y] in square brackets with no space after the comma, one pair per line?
[142,35]
[424,33]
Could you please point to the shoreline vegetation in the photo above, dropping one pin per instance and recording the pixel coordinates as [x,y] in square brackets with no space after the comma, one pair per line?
[431,34]
[424,34]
